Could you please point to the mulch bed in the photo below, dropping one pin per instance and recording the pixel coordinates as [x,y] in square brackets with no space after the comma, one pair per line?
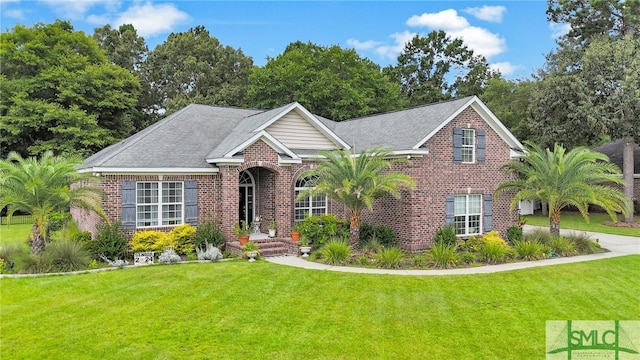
[635,224]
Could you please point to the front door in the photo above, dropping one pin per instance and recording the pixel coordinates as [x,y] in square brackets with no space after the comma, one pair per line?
[247,196]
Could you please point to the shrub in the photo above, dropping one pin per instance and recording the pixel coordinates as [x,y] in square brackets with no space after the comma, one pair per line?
[363,261]
[539,235]
[336,252]
[514,233]
[419,260]
[561,245]
[584,244]
[184,237]
[36,264]
[66,255]
[4,266]
[446,235]
[530,250]
[372,246]
[209,232]
[209,252]
[58,220]
[111,241]
[384,234]
[322,228]
[389,258]
[443,256]
[168,257]
[10,253]
[473,243]
[151,240]
[468,257]
[494,248]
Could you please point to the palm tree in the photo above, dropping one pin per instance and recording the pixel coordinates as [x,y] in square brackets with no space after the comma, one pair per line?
[579,177]
[40,187]
[356,181]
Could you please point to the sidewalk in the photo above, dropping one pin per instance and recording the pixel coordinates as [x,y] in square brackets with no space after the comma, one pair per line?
[617,244]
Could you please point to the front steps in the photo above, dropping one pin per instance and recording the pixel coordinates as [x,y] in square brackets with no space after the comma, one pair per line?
[268,246]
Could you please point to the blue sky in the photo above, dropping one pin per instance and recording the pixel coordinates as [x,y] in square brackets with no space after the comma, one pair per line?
[513,35]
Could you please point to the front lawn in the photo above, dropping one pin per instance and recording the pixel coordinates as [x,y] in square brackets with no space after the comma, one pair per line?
[237,310]
[573,220]
[14,234]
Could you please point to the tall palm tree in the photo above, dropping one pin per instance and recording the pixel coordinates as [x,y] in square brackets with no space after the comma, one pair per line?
[578,178]
[356,181]
[41,186]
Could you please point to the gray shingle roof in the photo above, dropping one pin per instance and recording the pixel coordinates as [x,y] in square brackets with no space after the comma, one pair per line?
[398,130]
[614,150]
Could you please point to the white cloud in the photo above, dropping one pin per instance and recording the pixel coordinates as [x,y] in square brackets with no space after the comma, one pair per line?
[400,40]
[559,29]
[362,45]
[77,9]
[446,19]
[13,13]
[98,19]
[505,68]
[487,13]
[152,19]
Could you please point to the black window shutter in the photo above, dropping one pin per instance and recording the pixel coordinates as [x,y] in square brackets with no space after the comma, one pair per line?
[191,202]
[457,145]
[449,206]
[480,145]
[488,212]
[128,204]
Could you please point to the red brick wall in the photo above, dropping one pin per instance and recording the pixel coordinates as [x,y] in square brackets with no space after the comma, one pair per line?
[419,213]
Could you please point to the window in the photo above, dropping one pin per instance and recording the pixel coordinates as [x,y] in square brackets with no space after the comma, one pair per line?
[159,203]
[467,212]
[310,205]
[468,145]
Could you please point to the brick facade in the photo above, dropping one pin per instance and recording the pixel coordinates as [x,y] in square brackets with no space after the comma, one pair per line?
[415,217]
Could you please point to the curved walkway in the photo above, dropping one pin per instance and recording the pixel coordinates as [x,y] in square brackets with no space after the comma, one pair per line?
[617,245]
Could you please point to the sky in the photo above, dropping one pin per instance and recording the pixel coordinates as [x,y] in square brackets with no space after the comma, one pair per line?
[513,35]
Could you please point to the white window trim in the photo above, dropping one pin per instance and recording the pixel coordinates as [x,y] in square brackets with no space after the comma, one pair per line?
[472,146]
[467,214]
[159,204]
[308,209]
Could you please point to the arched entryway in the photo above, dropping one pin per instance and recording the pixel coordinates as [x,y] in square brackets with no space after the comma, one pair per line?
[246,204]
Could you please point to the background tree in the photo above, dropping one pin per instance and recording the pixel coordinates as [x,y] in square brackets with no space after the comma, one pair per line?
[60,93]
[509,101]
[579,177]
[357,181]
[42,186]
[599,97]
[436,67]
[126,49]
[193,67]
[329,81]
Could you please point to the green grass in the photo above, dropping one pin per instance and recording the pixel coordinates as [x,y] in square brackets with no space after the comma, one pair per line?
[573,220]
[18,234]
[238,310]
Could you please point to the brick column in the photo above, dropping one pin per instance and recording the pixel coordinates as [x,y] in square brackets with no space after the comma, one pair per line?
[229,197]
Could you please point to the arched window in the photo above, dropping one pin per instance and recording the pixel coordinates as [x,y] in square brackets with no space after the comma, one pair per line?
[310,205]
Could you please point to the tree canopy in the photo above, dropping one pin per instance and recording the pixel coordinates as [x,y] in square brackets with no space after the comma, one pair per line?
[60,92]
[329,81]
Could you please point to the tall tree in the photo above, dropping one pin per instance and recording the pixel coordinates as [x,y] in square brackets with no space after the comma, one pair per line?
[594,23]
[436,67]
[509,101]
[60,93]
[193,67]
[125,48]
[579,177]
[329,81]
[41,186]
[357,181]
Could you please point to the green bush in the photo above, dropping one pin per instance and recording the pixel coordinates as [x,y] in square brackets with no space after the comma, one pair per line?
[322,228]
[35,264]
[584,244]
[363,261]
[561,245]
[66,255]
[494,249]
[372,246]
[539,235]
[336,252]
[514,233]
[184,237]
[468,257]
[419,260]
[443,256]
[111,241]
[209,232]
[384,234]
[446,235]
[530,250]
[151,240]
[389,258]
[58,220]
[12,254]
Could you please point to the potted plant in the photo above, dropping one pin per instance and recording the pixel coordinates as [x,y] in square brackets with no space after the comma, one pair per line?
[272,227]
[305,249]
[295,232]
[251,251]
[242,231]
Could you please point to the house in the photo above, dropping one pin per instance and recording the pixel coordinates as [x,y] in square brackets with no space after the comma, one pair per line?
[234,164]
[614,150]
